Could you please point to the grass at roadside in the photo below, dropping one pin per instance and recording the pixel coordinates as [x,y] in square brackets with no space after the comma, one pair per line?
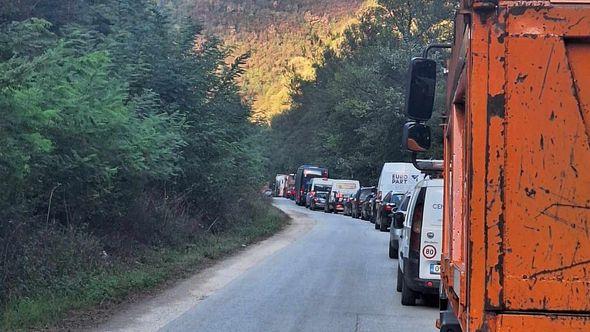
[155,267]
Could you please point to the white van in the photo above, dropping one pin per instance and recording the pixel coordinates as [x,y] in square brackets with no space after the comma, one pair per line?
[397,178]
[420,242]
[321,185]
[281,185]
[341,189]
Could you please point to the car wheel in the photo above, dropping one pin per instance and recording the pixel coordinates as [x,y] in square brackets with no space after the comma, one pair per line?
[408,295]
[399,280]
[392,251]
[431,301]
[382,226]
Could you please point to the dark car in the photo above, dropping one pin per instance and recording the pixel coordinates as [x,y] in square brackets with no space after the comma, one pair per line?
[384,210]
[318,201]
[348,204]
[367,208]
[335,202]
[356,202]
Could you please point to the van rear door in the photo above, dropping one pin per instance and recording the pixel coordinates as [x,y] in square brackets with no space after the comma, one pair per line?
[431,235]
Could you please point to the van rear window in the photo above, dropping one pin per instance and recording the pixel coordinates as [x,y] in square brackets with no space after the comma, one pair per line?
[322,187]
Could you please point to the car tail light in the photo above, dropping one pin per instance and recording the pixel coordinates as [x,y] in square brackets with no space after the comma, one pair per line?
[387,208]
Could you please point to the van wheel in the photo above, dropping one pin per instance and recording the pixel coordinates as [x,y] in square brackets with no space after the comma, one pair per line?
[392,251]
[399,280]
[408,295]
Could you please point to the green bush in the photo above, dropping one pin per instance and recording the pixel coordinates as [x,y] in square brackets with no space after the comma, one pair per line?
[121,141]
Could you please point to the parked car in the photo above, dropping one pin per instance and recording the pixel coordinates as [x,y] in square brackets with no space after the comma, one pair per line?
[318,201]
[367,208]
[418,271]
[394,233]
[357,201]
[348,204]
[340,189]
[384,210]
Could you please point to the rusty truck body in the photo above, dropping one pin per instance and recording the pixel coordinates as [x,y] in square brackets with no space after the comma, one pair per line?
[516,238]
[517,167]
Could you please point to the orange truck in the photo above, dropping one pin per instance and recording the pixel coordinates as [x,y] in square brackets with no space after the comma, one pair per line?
[516,251]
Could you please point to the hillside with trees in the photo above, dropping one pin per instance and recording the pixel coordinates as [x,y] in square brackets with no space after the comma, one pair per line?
[127,155]
[349,118]
[284,39]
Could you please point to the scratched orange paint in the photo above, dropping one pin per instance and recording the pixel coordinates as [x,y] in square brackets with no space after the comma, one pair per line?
[516,251]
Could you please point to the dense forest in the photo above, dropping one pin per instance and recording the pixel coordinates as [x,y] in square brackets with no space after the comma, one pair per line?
[284,39]
[122,139]
[349,118]
[135,142]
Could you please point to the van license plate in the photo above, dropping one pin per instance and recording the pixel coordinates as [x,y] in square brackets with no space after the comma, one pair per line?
[434,269]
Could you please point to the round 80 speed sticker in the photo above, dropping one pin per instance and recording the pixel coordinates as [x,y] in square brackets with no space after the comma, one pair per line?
[429,251]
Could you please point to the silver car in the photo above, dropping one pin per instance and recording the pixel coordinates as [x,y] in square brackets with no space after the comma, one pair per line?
[394,234]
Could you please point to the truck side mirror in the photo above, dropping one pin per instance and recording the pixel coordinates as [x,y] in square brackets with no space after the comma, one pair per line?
[421,89]
[398,220]
[416,137]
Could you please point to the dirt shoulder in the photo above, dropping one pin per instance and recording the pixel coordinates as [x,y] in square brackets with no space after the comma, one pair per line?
[155,312]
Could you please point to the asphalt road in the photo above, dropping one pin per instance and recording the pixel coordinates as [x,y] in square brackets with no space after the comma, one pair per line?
[337,277]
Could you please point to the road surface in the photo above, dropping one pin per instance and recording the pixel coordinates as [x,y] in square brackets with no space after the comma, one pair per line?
[336,277]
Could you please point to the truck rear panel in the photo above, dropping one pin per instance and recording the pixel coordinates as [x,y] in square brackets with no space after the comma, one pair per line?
[517,254]
[544,222]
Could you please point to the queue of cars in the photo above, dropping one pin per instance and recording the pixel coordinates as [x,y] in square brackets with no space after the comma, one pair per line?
[405,202]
